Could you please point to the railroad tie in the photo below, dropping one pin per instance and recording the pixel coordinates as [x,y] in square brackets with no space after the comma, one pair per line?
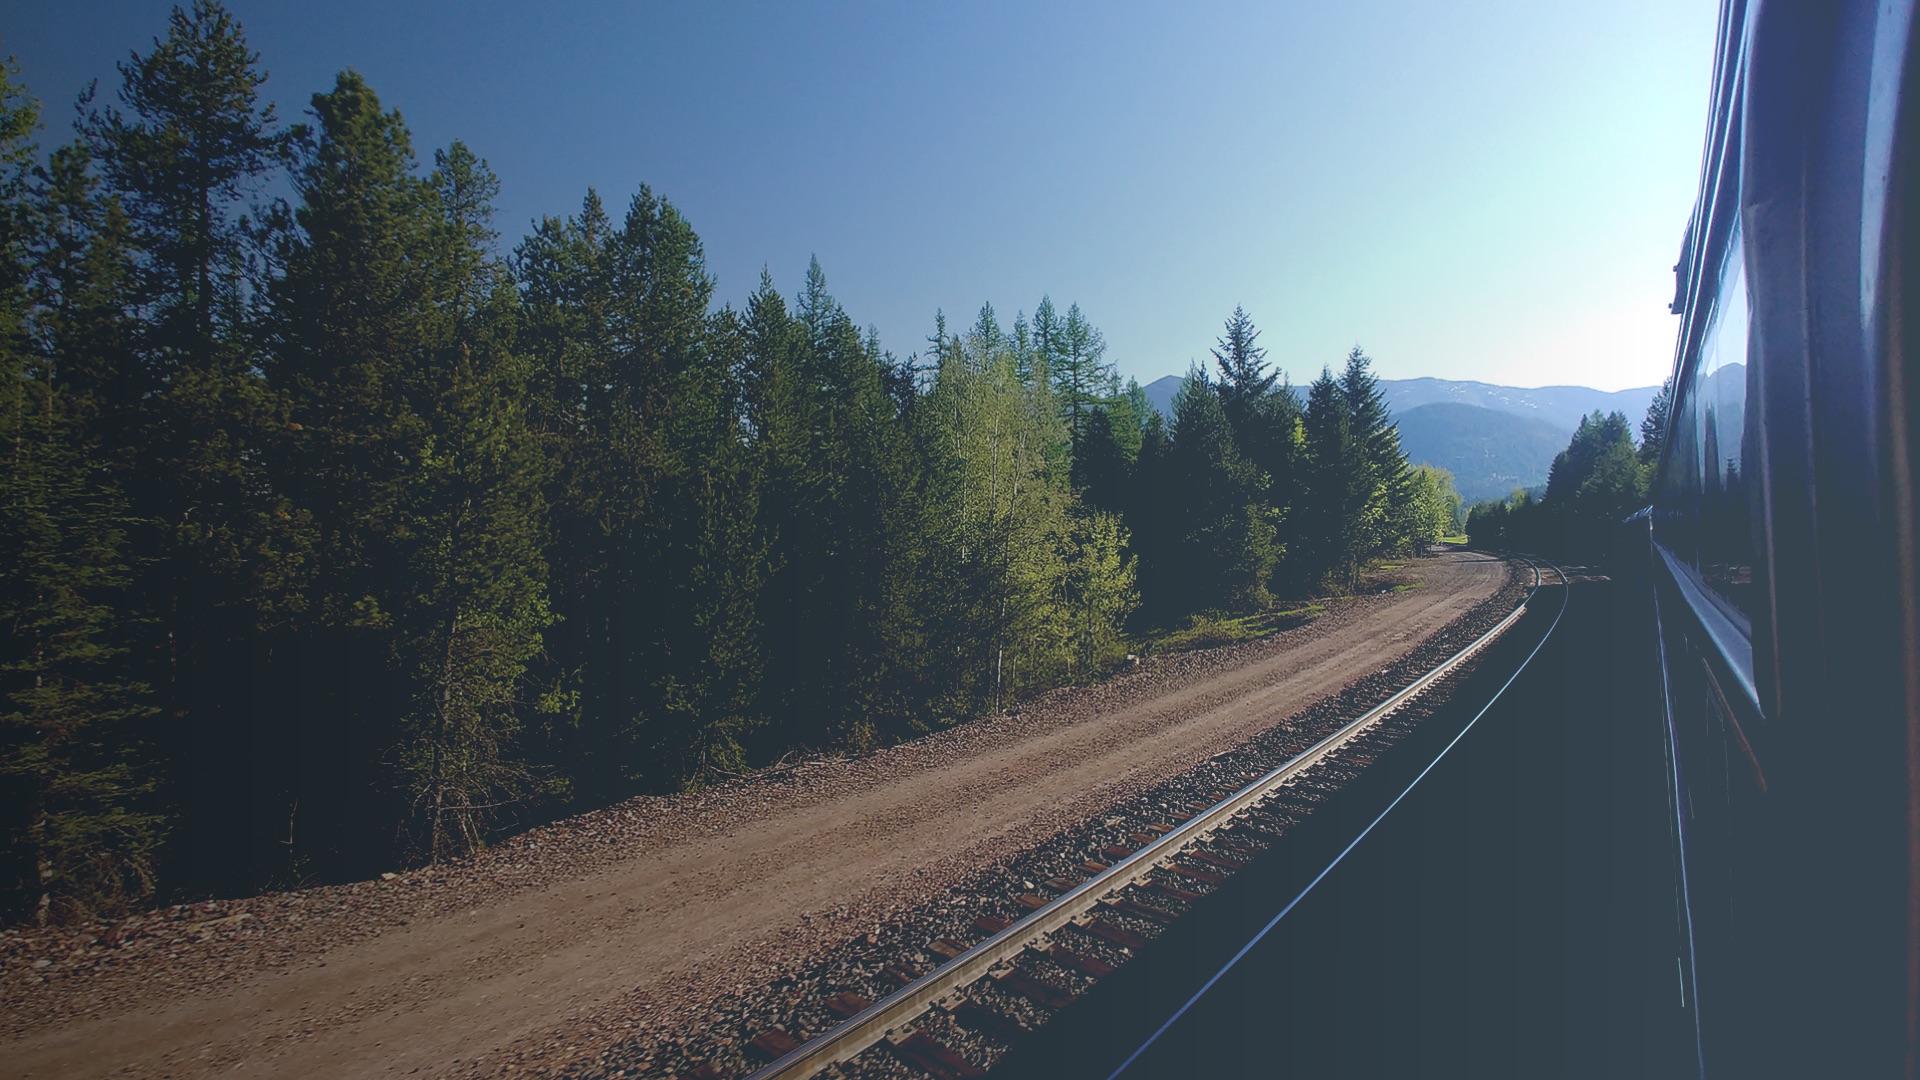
[987,1020]
[1195,873]
[1035,990]
[1099,969]
[846,1004]
[774,1044]
[1144,911]
[1175,892]
[902,972]
[934,1058]
[1215,860]
[1119,935]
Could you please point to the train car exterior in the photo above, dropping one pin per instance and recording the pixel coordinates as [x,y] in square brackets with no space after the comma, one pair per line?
[1783,549]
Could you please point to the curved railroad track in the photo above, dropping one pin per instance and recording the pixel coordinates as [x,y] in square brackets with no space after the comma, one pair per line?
[957,1019]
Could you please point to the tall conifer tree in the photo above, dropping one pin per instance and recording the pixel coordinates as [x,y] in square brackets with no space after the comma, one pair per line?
[81,836]
[188,145]
[1380,521]
[471,619]
[1244,378]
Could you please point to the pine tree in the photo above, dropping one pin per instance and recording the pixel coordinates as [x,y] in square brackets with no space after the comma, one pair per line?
[1597,437]
[1381,524]
[565,273]
[80,834]
[473,622]
[471,619]
[784,411]
[1026,365]
[352,323]
[1244,378]
[194,140]
[704,555]
[1331,510]
[986,340]
[1082,379]
[1103,469]
[82,281]
[1226,557]
[1653,427]
[219,554]
[193,143]
[716,558]
[1049,343]
[350,315]
[650,343]
[1265,417]
[1154,529]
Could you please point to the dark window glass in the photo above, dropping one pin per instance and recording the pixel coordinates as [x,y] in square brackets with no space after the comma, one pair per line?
[1719,405]
[1702,507]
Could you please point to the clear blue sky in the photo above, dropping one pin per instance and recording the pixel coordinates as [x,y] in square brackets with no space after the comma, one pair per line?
[1475,190]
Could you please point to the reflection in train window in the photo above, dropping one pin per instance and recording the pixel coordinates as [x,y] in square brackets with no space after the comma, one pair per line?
[1705,521]
[1719,400]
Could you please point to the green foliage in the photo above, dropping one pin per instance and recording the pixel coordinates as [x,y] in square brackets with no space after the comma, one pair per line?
[1653,427]
[1082,379]
[1244,378]
[991,441]
[470,615]
[334,539]
[1226,558]
[1100,591]
[75,776]
[1598,480]
[1252,494]
[1432,505]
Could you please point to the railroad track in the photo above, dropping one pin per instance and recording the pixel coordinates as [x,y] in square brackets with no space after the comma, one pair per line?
[953,1020]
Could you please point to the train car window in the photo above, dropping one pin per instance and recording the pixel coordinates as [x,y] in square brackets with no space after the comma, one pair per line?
[1702,517]
[1719,407]
[1677,511]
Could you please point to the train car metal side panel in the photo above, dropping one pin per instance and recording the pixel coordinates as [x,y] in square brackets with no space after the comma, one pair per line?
[1783,539]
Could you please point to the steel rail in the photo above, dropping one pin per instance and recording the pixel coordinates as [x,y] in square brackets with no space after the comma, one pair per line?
[872,1024]
[1382,816]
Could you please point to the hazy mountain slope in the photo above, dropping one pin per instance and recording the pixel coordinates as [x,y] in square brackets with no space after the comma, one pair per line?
[1561,406]
[1160,392]
[1488,452]
[1492,438]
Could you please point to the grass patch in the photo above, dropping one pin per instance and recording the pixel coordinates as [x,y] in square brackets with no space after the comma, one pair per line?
[1210,631]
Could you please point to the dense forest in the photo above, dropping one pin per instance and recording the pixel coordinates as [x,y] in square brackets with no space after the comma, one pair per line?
[338,536]
[1601,478]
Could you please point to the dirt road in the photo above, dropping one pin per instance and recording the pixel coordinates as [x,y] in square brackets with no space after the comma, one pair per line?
[644,936]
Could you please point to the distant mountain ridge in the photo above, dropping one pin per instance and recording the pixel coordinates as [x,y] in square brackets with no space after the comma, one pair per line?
[1561,406]
[1491,438]
[1488,452]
